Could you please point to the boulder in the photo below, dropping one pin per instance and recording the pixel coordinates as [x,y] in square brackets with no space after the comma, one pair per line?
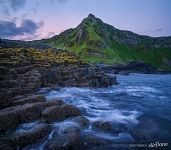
[50,76]
[30,112]
[12,116]
[70,110]
[54,113]
[103,125]
[93,140]
[82,121]
[107,81]
[22,139]
[8,119]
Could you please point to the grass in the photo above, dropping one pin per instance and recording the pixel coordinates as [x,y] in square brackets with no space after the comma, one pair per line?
[98,47]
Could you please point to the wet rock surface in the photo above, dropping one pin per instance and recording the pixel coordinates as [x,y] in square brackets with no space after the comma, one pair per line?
[54,113]
[103,125]
[21,106]
[24,138]
[25,80]
[17,122]
[82,121]
[70,110]
[66,138]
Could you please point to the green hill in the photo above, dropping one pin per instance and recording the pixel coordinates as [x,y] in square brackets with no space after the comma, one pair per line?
[95,41]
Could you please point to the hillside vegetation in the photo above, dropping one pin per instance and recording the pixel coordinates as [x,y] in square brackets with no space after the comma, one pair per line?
[97,42]
[12,57]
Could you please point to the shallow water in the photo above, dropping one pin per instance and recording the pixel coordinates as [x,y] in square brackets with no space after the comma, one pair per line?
[138,108]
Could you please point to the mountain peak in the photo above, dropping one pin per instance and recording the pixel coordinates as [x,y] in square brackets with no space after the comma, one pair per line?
[91,16]
[90,19]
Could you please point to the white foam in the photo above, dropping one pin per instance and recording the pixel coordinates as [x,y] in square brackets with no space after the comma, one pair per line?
[142,88]
[97,108]
[117,116]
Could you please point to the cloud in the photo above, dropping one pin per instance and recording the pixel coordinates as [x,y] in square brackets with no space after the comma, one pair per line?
[9,29]
[14,5]
[6,12]
[17,4]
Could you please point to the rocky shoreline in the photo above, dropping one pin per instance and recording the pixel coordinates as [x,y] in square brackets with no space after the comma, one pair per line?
[131,67]
[17,82]
[27,110]
[19,103]
[26,117]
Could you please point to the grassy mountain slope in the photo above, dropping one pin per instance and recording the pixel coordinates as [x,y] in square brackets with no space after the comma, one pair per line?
[95,41]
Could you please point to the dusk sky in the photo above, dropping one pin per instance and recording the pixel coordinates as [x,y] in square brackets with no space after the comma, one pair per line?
[37,19]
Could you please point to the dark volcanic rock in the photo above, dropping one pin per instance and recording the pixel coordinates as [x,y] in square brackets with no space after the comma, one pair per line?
[54,113]
[31,99]
[140,66]
[53,102]
[82,121]
[5,98]
[50,76]
[29,112]
[133,66]
[103,125]
[70,110]
[21,139]
[33,80]
[9,84]
[8,119]
[92,140]
[23,70]
[79,76]
[67,138]
[12,116]
[17,106]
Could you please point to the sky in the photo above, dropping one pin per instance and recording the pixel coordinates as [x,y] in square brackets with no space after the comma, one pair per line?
[38,19]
